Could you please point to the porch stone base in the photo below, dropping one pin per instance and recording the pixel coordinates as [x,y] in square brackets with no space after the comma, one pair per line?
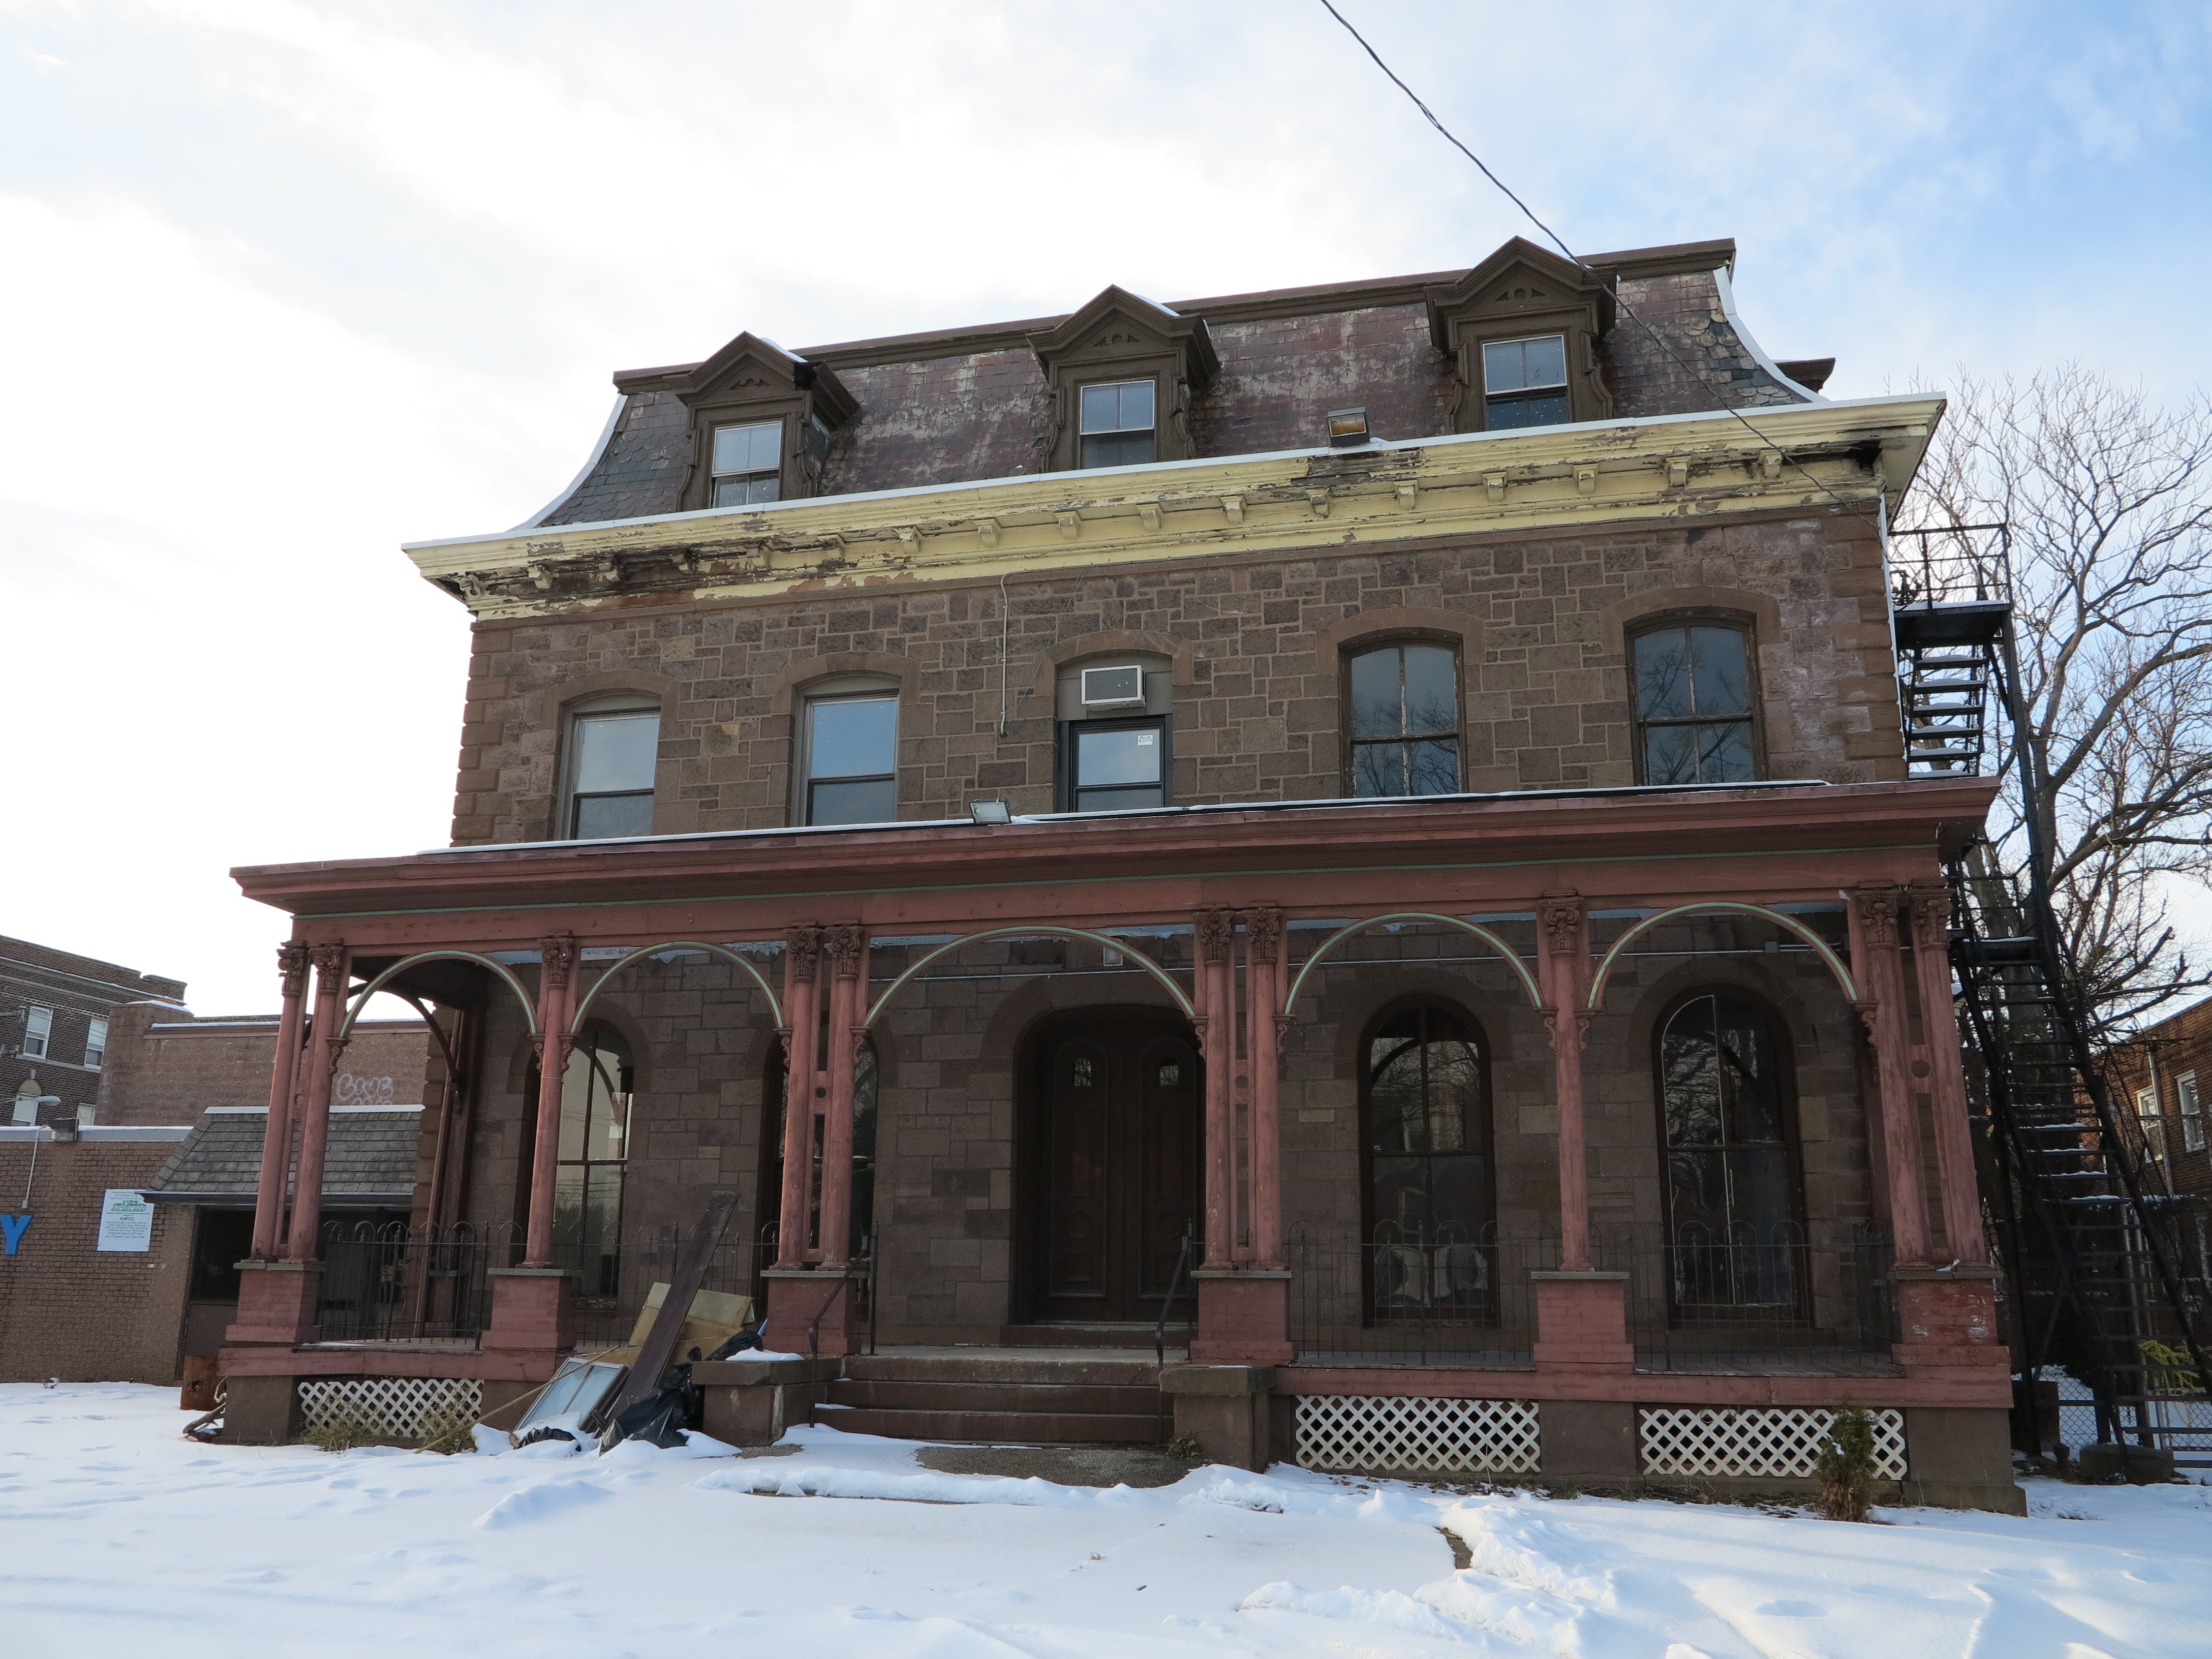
[1581,1322]
[1589,1442]
[1243,1319]
[262,1411]
[1225,1408]
[752,1403]
[809,1311]
[277,1304]
[1949,1322]
[1960,1458]
[533,1309]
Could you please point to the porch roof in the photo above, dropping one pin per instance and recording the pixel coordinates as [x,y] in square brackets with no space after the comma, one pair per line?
[1593,840]
[369,1162]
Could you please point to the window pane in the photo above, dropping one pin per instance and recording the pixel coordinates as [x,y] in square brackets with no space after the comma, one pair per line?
[872,800]
[1459,1198]
[598,816]
[1134,450]
[1690,1076]
[1399,1113]
[1670,755]
[1120,800]
[748,491]
[1663,675]
[38,1027]
[749,448]
[1122,406]
[852,736]
[1749,1088]
[1724,752]
[1504,366]
[1434,769]
[1123,757]
[1543,409]
[615,751]
[1720,682]
[1378,710]
[1379,768]
[1545,360]
[1431,692]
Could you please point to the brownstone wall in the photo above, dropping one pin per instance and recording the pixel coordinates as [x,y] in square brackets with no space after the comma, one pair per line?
[163,1067]
[72,1311]
[1257,699]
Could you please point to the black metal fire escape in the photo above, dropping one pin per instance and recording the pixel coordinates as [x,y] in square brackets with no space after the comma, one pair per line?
[2096,1276]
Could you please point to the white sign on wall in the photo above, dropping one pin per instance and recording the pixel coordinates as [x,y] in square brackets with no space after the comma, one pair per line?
[126,1221]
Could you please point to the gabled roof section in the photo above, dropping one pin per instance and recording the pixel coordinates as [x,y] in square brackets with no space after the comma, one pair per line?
[1115,321]
[1519,277]
[750,366]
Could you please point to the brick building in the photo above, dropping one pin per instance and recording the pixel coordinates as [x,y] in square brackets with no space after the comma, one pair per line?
[2161,1078]
[58,1011]
[1397,786]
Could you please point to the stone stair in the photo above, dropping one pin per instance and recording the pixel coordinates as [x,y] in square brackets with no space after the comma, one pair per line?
[1032,1397]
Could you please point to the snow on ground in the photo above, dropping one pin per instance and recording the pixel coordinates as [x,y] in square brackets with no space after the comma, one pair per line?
[118,1535]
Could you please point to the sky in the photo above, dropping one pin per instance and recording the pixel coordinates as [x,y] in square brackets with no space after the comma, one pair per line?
[285,285]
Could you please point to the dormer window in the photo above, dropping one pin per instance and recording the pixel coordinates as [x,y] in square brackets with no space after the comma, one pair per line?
[1119,428]
[1524,382]
[748,463]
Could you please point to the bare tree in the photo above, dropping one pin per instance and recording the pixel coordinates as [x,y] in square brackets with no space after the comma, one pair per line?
[2108,498]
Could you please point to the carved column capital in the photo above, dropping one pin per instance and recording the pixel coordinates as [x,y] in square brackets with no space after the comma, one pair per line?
[557,956]
[1215,931]
[292,963]
[1875,909]
[1264,933]
[1563,922]
[330,961]
[802,947]
[1931,916]
[846,943]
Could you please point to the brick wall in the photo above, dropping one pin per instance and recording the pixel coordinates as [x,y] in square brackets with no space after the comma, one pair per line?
[76,990]
[1257,705]
[164,1066]
[68,1309]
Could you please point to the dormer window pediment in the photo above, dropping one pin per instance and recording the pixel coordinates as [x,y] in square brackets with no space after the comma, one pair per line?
[761,420]
[1122,371]
[1522,329]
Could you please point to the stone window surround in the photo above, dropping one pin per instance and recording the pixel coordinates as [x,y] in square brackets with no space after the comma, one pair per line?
[1335,647]
[554,708]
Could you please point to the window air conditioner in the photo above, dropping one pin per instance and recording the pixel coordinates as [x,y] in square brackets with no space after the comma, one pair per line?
[1114,688]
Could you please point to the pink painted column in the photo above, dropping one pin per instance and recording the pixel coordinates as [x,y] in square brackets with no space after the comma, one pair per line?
[1213,935]
[556,1003]
[1879,973]
[1946,1075]
[1565,929]
[802,991]
[1263,931]
[848,986]
[276,1138]
[324,1047]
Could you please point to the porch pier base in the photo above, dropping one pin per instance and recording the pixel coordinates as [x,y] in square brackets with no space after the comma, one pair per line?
[1581,1322]
[810,1311]
[1590,1443]
[278,1304]
[1947,1322]
[1225,1408]
[1244,1317]
[533,1314]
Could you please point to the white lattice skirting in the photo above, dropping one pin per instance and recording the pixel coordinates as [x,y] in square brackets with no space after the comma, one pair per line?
[1770,1441]
[1370,1434]
[392,1407]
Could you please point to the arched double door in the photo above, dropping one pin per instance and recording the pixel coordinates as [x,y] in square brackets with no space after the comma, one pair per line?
[1109,1175]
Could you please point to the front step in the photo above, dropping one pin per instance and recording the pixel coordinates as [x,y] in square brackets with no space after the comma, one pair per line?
[1032,1397]
[1133,1336]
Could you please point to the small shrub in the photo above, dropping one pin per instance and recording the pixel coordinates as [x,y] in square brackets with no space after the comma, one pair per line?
[1846,1465]
[342,1431]
[1186,1447]
[456,1432]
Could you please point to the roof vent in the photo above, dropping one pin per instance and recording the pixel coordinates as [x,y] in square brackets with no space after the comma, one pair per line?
[1114,688]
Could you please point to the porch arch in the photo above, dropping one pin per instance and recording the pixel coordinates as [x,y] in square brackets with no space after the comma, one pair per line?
[1166,980]
[360,998]
[1735,907]
[1506,951]
[584,1003]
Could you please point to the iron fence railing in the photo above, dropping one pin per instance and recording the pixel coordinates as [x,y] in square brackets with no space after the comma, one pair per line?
[396,1284]
[1950,564]
[647,1257]
[1774,1299]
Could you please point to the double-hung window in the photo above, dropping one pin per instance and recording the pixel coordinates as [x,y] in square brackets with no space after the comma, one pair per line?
[748,463]
[1117,425]
[1405,721]
[1524,382]
[96,1042]
[38,1032]
[610,790]
[1693,704]
[2153,1126]
[2192,1112]
[852,759]
[1114,765]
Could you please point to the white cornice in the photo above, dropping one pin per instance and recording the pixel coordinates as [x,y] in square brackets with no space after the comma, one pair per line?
[1670,467]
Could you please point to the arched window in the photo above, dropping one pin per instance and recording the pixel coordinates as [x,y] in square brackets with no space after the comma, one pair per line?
[591,1157]
[1726,1106]
[1402,715]
[1693,703]
[1427,1118]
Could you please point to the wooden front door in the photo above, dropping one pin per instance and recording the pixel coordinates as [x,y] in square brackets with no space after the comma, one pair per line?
[1113,1112]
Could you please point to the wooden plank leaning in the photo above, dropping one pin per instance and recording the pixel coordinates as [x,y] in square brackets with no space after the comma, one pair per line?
[682,1285]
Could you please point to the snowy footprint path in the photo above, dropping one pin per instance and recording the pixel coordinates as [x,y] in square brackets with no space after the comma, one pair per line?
[114,1530]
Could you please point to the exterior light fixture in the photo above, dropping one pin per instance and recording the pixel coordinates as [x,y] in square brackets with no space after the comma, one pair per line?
[990,811]
[1347,428]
